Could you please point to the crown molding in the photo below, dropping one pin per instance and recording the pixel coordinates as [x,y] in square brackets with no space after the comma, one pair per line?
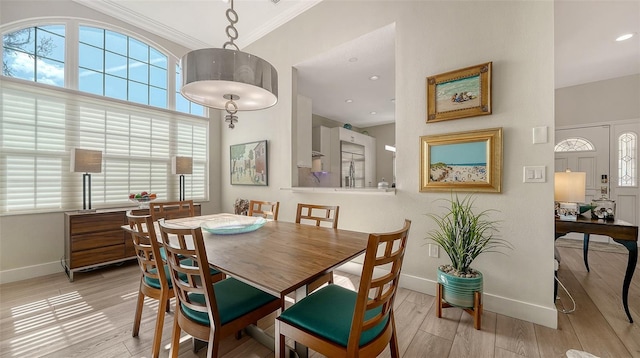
[278,20]
[119,12]
[113,9]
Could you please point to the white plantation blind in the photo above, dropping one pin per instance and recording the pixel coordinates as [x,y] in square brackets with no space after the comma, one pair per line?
[39,126]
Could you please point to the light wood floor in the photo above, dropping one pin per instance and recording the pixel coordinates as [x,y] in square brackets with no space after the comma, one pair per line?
[92,317]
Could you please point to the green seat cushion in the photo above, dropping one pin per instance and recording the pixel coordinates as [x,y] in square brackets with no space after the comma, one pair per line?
[155,283]
[328,313]
[234,298]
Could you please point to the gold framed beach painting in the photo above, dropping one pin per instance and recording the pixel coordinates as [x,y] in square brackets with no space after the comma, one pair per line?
[459,94]
[462,161]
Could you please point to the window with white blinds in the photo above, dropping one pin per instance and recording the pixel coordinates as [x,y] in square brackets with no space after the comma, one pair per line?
[40,126]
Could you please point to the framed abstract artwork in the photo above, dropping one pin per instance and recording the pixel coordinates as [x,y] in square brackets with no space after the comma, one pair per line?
[249,163]
[463,161]
[459,94]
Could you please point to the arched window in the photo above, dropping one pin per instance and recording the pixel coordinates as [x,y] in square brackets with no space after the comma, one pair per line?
[110,64]
[574,145]
[41,124]
[35,54]
[627,159]
[182,104]
[118,66]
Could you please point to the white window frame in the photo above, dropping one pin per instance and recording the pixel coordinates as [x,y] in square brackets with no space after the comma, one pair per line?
[66,191]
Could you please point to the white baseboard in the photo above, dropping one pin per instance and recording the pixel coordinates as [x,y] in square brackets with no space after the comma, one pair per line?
[27,272]
[545,316]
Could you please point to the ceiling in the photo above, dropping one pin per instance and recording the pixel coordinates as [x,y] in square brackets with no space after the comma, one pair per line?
[585,46]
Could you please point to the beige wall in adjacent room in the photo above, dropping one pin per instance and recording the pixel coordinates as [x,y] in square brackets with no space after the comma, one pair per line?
[596,102]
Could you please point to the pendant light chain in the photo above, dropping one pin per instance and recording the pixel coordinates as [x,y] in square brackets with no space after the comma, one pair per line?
[232,33]
[227,78]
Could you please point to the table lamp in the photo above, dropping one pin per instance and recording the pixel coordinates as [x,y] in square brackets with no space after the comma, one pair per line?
[86,161]
[182,166]
[569,190]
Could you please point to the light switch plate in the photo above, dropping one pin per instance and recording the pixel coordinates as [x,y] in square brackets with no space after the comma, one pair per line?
[534,174]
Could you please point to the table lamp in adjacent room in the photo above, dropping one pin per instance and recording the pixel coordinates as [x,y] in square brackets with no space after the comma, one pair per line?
[569,191]
[182,166]
[86,161]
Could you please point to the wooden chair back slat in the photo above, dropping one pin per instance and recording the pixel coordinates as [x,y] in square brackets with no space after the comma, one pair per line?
[266,209]
[151,264]
[385,287]
[147,247]
[189,268]
[318,214]
[172,210]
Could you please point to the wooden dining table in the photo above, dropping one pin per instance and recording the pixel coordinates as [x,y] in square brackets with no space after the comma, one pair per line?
[280,257]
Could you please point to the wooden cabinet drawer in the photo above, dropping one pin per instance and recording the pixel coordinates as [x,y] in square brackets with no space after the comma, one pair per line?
[97,239]
[129,249]
[97,222]
[96,256]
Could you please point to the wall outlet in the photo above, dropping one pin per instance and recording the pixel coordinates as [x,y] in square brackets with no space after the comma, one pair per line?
[434,250]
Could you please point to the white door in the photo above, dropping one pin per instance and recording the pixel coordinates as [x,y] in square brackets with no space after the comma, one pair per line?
[594,161]
[626,196]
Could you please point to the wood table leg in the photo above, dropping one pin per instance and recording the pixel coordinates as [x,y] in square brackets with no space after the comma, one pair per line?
[632,246]
[585,251]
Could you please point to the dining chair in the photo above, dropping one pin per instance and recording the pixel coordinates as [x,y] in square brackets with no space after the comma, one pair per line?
[154,282]
[265,209]
[205,310]
[337,322]
[171,209]
[317,215]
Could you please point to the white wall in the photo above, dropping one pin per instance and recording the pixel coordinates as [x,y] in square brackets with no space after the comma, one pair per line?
[432,37]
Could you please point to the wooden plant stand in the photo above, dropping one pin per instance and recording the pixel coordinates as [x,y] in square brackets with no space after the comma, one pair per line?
[475,312]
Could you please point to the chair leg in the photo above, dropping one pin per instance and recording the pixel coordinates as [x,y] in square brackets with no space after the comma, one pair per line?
[157,335]
[138,315]
[214,343]
[393,343]
[175,337]
[281,348]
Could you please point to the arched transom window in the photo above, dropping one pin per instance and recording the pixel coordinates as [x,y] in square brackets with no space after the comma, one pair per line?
[574,145]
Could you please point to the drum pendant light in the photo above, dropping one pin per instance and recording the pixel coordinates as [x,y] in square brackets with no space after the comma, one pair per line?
[229,79]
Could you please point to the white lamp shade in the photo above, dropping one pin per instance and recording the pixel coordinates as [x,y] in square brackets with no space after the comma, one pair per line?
[86,161]
[570,187]
[316,165]
[181,165]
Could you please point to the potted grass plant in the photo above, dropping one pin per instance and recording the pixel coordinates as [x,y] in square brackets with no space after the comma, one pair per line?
[464,234]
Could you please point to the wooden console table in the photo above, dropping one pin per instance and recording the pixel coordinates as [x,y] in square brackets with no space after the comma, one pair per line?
[620,231]
[95,238]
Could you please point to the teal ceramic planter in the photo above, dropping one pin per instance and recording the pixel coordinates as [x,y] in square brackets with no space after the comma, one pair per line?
[458,291]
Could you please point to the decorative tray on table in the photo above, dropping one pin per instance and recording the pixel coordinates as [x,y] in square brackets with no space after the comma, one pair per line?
[232,224]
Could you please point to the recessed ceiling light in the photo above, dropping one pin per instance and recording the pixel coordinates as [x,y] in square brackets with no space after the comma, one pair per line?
[374,77]
[373,113]
[393,100]
[348,100]
[624,37]
[353,59]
